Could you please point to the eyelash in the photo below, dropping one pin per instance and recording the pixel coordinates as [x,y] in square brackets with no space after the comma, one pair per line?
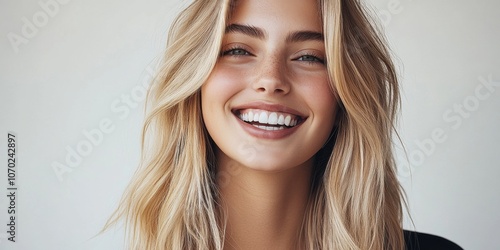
[315,58]
[231,51]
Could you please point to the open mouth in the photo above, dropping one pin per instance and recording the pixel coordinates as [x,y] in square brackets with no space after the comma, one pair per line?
[268,120]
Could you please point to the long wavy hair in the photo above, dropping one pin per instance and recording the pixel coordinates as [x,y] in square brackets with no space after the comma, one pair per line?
[356,200]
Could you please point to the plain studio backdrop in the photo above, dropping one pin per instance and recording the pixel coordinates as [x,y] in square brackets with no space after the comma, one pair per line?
[73,76]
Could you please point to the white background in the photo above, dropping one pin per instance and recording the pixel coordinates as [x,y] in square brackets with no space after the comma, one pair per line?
[80,62]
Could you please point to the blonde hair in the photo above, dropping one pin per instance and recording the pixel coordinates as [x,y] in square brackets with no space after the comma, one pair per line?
[356,200]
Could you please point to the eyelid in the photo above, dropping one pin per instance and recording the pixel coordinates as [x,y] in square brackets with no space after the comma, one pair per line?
[311,53]
[235,46]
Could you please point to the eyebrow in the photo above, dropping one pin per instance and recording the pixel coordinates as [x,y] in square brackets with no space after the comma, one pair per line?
[297,36]
[302,36]
[247,30]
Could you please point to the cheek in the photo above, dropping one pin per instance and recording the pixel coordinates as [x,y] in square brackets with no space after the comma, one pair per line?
[220,86]
[216,94]
[327,103]
[322,101]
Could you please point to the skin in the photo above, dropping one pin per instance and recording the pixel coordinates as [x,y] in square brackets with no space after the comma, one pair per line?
[263,176]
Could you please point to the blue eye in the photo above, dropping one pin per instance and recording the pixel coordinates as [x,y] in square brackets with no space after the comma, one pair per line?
[310,59]
[236,52]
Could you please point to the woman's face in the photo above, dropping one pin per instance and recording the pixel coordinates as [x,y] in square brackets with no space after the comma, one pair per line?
[267,104]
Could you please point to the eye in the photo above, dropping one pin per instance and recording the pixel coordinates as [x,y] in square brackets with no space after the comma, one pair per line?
[310,59]
[236,52]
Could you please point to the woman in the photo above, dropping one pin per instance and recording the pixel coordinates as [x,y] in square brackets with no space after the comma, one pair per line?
[269,127]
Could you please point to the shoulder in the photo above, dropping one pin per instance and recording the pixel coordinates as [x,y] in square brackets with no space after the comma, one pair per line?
[423,241]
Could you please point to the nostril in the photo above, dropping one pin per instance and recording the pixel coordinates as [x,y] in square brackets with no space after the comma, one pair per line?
[276,90]
[271,85]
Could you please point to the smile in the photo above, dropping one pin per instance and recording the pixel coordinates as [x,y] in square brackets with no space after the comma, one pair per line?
[268,120]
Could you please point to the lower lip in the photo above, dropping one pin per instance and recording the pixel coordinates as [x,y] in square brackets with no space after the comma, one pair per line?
[267,134]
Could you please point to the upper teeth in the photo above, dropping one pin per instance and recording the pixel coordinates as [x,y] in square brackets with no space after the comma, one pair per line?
[266,117]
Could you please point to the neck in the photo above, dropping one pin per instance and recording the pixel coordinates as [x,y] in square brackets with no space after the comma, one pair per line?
[263,210]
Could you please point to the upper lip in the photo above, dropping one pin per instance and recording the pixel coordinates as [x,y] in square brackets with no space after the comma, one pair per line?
[269,107]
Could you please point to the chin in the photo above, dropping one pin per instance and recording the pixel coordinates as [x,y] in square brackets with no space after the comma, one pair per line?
[273,164]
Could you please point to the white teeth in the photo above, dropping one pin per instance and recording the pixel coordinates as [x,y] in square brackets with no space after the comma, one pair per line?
[273,119]
[281,120]
[270,128]
[287,120]
[263,117]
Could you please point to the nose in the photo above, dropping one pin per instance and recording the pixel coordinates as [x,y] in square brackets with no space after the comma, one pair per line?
[272,77]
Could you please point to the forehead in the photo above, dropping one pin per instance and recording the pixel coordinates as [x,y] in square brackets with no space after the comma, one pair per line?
[294,14]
